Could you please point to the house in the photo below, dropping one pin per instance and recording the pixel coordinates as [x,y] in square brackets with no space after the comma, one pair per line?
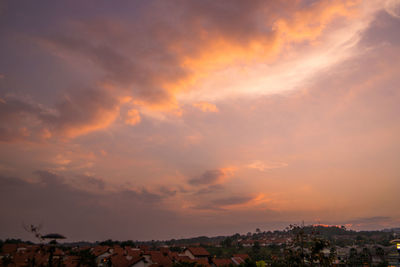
[9,249]
[199,262]
[221,262]
[196,253]
[118,250]
[102,253]
[119,260]
[133,252]
[247,243]
[239,258]
[138,262]
[100,250]
[242,256]
[164,250]
[157,257]
[71,261]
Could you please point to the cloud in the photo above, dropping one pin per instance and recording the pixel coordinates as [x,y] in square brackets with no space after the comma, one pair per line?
[210,189]
[78,213]
[157,64]
[206,107]
[236,200]
[380,31]
[392,7]
[132,117]
[80,112]
[221,204]
[89,182]
[372,223]
[84,111]
[208,177]
[18,116]
[263,166]
[169,54]
[212,177]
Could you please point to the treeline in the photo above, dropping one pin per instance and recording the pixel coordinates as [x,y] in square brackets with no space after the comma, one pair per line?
[337,235]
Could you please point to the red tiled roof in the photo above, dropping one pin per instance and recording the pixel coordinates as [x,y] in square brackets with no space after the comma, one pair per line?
[71,261]
[242,256]
[222,262]
[144,247]
[133,252]
[9,248]
[182,258]
[237,260]
[119,261]
[58,252]
[20,259]
[201,262]
[164,250]
[98,250]
[159,258]
[198,251]
[118,250]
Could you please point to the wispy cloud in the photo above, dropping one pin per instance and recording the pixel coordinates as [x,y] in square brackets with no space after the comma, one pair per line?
[263,166]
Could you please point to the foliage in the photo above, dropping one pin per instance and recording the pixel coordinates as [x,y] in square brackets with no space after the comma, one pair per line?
[306,248]
[248,263]
[6,260]
[86,258]
[185,264]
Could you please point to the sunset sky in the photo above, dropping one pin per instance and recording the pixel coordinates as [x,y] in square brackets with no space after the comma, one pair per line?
[177,118]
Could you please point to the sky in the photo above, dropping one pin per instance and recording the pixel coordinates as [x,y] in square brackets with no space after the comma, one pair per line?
[141,120]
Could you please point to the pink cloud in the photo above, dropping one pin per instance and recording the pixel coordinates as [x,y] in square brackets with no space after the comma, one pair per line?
[206,107]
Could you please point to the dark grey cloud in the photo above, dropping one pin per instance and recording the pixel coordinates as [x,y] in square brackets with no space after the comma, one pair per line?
[210,189]
[235,200]
[220,204]
[207,178]
[16,117]
[80,111]
[382,31]
[83,108]
[76,212]
[371,220]
[90,181]
[168,191]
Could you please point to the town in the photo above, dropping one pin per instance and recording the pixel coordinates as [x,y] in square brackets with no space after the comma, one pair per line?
[313,245]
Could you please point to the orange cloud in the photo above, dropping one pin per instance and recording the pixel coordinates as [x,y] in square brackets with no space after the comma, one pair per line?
[132,117]
[308,24]
[103,119]
[164,74]
[218,51]
[205,43]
